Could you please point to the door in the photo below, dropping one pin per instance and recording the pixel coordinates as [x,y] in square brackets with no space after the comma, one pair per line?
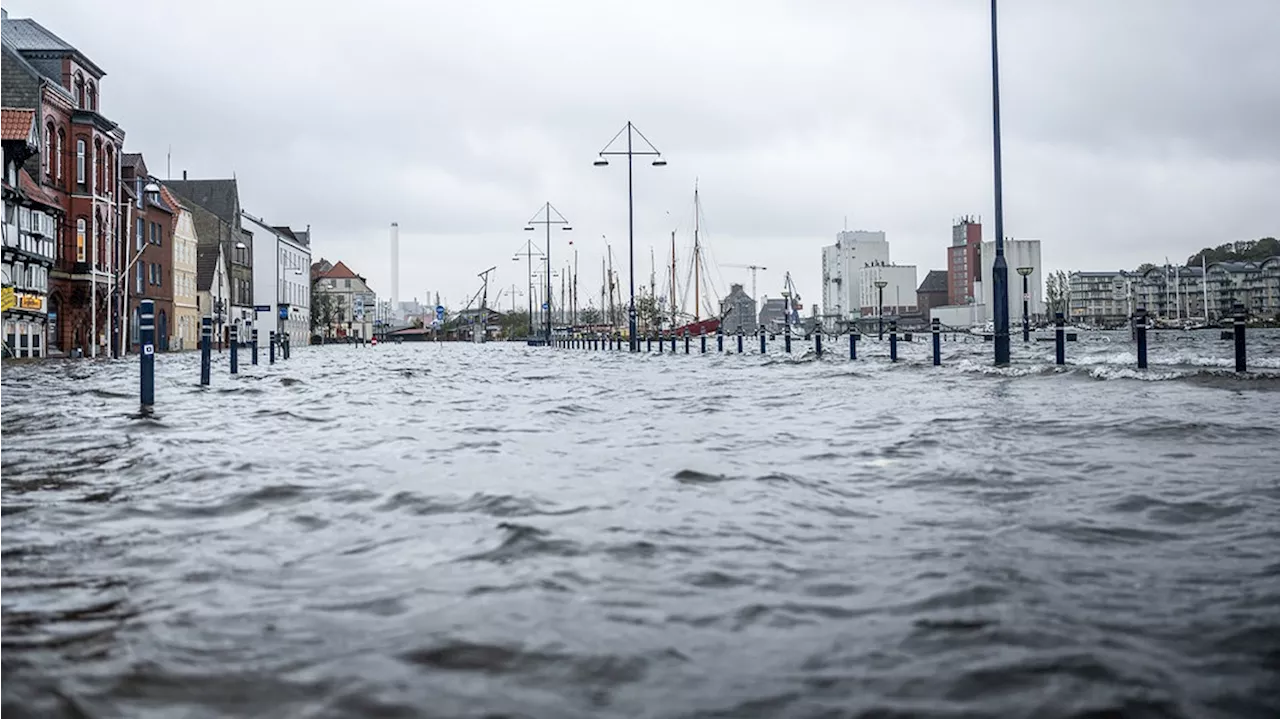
[162,331]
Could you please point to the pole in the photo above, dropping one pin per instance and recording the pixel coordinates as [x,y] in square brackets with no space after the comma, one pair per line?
[1059,339]
[254,341]
[147,327]
[548,298]
[529,285]
[631,243]
[937,342]
[881,312]
[1238,325]
[271,348]
[817,344]
[1026,323]
[1140,329]
[1000,269]
[893,341]
[853,345]
[206,348]
[235,356]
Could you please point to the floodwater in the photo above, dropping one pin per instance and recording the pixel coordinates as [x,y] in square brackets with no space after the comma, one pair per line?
[499,530]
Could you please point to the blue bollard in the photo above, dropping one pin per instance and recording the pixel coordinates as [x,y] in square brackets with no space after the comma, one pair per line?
[1059,339]
[704,343]
[817,344]
[271,348]
[648,344]
[762,345]
[254,342]
[287,346]
[719,339]
[686,343]
[147,330]
[893,341]
[661,344]
[673,342]
[853,345]
[206,348]
[1140,334]
[235,355]
[937,342]
[786,341]
[1238,326]
[739,341]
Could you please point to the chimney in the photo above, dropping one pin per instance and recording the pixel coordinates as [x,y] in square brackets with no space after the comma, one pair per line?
[184,175]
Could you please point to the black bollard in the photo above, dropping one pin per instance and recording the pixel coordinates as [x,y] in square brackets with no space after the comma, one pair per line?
[686,343]
[271,347]
[937,342]
[1140,334]
[786,340]
[673,342]
[762,345]
[235,355]
[719,340]
[648,344]
[853,345]
[254,342]
[704,343]
[286,345]
[893,341]
[206,348]
[661,344]
[1238,324]
[1059,339]
[739,341]
[147,330]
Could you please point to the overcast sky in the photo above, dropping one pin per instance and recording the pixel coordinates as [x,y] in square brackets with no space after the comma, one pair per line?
[1132,130]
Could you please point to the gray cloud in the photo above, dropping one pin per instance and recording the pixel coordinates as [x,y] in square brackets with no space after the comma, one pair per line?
[1133,130]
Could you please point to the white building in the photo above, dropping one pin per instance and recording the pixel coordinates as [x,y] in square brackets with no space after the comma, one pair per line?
[281,281]
[841,263]
[1018,253]
[899,290]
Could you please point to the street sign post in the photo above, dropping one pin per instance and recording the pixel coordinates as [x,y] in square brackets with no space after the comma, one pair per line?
[439,312]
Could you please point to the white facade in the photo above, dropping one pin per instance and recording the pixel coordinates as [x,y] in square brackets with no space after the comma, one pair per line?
[899,292]
[841,263]
[1018,253]
[961,316]
[281,283]
[186,313]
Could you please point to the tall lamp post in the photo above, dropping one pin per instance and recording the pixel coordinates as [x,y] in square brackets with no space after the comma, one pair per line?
[1000,269]
[528,252]
[880,285]
[603,161]
[1026,297]
[548,219]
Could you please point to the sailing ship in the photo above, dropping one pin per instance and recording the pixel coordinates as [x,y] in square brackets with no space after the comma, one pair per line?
[684,323]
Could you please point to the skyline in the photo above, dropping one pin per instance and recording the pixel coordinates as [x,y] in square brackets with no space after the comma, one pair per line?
[1129,134]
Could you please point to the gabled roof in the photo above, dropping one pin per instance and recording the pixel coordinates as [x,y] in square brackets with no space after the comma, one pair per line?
[935,281]
[207,255]
[17,124]
[172,201]
[340,271]
[221,197]
[30,37]
[132,160]
[36,193]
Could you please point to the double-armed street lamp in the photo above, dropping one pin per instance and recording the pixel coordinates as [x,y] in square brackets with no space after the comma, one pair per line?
[529,251]
[658,161]
[550,216]
[880,285]
[1026,298]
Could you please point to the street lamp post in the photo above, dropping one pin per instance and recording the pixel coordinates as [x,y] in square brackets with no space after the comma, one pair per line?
[602,161]
[548,220]
[880,285]
[1000,269]
[1026,297]
[529,252]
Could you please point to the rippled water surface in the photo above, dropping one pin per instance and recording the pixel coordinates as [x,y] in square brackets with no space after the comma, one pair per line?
[466,531]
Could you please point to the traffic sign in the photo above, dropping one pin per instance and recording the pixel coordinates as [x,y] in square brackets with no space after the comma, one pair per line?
[544,305]
[440,312]
[262,308]
[148,349]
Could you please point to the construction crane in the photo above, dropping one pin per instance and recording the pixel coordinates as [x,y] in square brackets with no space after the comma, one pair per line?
[754,269]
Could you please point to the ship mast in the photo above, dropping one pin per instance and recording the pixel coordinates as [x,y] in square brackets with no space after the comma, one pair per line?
[697,258]
[673,279]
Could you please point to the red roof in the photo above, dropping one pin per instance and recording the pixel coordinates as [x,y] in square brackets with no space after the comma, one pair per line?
[340,271]
[35,192]
[15,124]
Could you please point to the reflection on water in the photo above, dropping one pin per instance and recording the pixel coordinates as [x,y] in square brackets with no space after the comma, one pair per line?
[458,530]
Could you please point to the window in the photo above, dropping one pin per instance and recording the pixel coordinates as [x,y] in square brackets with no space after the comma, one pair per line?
[78,88]
[48,150]
[62,140]
[137,284]
[141,234]
[80,168]
[93,97]
[158,235]
[346,284]
[80,243]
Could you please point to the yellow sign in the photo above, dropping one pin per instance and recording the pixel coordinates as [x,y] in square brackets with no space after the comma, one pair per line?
[31,302]
[7,300]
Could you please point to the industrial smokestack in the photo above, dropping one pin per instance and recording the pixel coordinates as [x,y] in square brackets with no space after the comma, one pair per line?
[395,267]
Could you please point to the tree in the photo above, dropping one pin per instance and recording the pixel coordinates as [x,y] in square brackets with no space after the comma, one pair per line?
[515,324]
[590,316]
[1250,250]
[1056,292]
[648,313]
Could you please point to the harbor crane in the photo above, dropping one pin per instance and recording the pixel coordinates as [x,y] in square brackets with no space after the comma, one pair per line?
[754,269]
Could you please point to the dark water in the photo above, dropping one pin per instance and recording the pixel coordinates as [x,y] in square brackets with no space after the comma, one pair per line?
[464,531]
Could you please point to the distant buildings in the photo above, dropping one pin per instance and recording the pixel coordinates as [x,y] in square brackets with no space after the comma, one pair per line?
[148,268]
[1102,298]
[841,262]
[186,302]
[932,292]
[31,216]
[964,261]
[898,294]
[970,292]
[773,316]
[738,311]
[281,280]
[1018,253]
[343,304]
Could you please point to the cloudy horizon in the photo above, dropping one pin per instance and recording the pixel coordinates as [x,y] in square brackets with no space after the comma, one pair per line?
[1131,132]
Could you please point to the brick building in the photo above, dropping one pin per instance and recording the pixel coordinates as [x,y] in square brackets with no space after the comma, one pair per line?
[78,166]
[964,261]
[215,210]
[933,292]
[148,271]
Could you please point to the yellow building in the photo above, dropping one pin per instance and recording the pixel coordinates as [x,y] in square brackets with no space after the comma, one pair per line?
[185,329]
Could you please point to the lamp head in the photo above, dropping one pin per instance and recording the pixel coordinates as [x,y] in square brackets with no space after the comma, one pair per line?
[529,228]
[1024,271]
[660,162]
[600,162]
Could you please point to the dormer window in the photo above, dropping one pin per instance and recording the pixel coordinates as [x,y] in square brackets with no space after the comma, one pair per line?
[92,93]
[78,89]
